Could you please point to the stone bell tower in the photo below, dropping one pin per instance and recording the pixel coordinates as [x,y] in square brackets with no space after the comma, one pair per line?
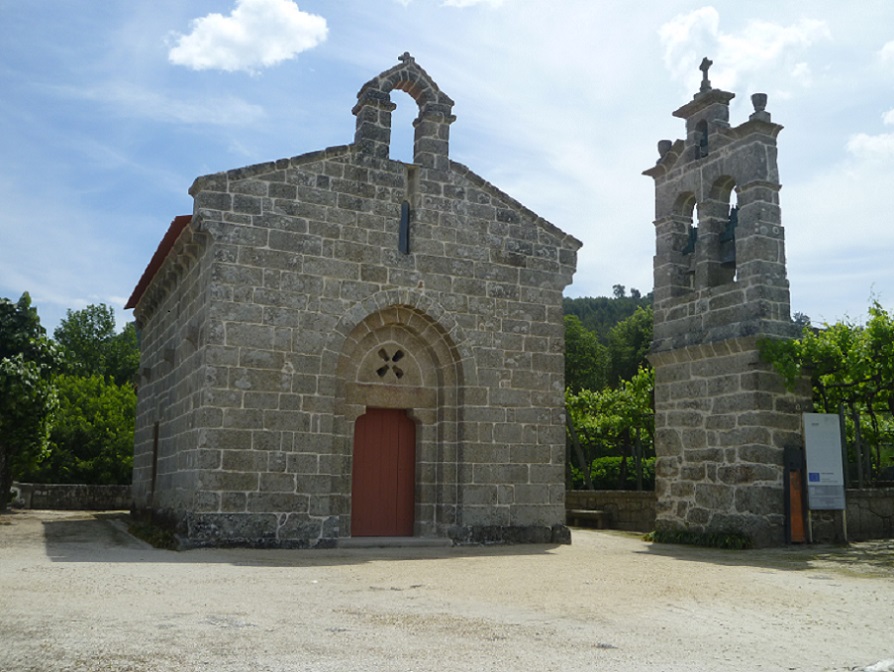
[723,416]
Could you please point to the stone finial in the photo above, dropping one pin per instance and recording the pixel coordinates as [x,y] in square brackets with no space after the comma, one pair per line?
[406,59]
[759,100]
[706,83]
[664,146]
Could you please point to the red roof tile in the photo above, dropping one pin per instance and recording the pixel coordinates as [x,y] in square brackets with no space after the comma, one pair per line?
[164,248]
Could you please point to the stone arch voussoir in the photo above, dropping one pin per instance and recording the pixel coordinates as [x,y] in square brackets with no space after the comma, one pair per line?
[684,205]
[413,311]
[722,188]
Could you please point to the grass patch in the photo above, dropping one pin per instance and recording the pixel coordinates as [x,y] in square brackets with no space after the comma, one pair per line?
[728,540]
[158,537]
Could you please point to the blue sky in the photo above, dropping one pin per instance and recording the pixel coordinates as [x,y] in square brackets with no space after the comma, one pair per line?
[109,110]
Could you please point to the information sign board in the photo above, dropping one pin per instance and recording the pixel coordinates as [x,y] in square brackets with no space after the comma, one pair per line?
[825,471]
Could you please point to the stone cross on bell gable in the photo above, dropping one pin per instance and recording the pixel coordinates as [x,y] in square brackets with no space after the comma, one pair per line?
[706,83]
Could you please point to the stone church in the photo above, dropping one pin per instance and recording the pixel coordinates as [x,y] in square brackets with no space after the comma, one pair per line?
[342,345]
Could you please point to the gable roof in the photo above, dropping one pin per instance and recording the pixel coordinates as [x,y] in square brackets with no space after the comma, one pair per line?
[164,248]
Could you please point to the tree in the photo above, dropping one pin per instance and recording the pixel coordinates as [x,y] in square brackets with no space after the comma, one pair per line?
[613,422]
[92,442]
[848,365]
[629,343]
[92,438]
[124,355]
[586,359]
[91,346]
[801,320]
[27,391]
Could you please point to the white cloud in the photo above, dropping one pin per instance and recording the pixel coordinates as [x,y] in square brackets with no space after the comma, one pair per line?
[872,147]
[687,38]
[802,73]
[759,45]
[140,102]
[886,53]
[256,34]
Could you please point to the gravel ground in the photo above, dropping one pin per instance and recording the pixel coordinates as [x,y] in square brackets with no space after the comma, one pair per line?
[77,593]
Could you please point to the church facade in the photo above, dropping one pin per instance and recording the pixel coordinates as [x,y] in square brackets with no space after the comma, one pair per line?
[342,345]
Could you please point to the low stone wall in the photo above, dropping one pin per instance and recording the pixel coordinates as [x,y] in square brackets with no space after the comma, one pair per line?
[633,511]
[870,513]
[71,497]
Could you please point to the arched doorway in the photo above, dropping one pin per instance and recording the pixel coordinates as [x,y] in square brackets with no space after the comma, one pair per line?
[384,474]
[401,359]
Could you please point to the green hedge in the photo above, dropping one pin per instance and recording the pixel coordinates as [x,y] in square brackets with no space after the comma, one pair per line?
[605,472]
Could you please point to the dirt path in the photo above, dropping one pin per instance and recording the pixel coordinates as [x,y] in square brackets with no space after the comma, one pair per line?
[79,594]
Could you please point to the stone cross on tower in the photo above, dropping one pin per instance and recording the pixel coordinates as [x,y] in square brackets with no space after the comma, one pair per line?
[704,67]
[406,59]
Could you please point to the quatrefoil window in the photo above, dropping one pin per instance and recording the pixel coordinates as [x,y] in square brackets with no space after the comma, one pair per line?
[390,363]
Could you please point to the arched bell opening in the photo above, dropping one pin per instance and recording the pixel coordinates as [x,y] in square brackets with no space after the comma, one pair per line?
[684,216]
[403,118]
[374,111]
[726,214]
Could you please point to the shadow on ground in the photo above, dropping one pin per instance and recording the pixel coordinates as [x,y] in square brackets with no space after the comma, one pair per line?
[103,537]
[868,558]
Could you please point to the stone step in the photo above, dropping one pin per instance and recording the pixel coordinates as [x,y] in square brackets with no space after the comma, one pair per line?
[394,542]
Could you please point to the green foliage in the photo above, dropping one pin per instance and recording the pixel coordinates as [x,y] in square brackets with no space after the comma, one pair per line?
[27,391]
[66,411]
[586,359]
[613,422]
[850,366]
[735,541]
[92,348]
[611,473]
[630,341]
[608,412]
[599,314]
[92,438]
[124,355]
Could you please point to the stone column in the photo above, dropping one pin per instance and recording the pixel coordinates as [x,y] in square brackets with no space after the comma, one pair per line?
[373,131]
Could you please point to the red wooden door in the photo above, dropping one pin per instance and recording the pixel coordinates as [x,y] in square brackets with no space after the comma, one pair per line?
[384,474]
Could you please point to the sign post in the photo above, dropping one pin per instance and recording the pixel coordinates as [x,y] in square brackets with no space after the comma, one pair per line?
[825,468]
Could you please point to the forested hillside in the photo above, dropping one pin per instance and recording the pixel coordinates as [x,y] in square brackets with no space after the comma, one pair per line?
[600,313]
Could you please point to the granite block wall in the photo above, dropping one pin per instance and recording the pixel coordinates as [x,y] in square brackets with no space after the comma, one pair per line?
[341,280]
